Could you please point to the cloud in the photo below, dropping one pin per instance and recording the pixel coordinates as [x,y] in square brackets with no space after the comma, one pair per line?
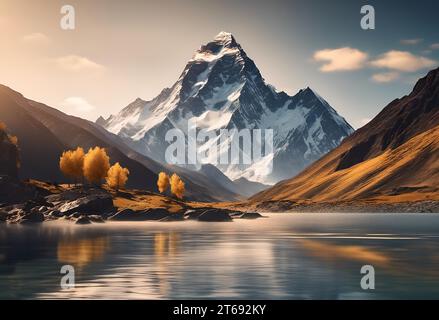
[77,106]
[385,77]
[435,46]
[341,59]
[77,63]
[411,42]
[403,61]
[36,38]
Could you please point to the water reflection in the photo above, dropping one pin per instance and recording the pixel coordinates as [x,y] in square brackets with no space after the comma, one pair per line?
[166,244]
[303,256]
[334,252]
[82,252]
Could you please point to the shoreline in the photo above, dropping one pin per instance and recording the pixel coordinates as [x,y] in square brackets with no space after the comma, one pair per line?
[426,206]
[38,202]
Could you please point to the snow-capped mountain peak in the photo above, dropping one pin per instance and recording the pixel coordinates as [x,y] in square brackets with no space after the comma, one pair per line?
[221,88]
[225,37]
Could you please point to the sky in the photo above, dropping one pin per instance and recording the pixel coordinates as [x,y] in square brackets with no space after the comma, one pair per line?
[121,50]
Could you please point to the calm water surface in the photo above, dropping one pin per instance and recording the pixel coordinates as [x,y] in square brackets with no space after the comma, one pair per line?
[286,256]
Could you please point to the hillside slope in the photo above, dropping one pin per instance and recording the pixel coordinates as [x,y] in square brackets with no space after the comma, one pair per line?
[9,159]
[44,133]
[393,158]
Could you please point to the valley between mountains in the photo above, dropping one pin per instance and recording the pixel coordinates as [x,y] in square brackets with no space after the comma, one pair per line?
[320,164]
[393,159]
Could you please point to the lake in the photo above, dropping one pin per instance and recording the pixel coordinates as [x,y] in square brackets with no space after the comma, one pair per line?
[285,256]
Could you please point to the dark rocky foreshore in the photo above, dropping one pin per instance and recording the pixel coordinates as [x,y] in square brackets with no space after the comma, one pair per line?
[428,206]
[25,204]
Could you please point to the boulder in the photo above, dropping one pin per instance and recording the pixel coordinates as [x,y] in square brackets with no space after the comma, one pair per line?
[109,213]
[96,219]
[83,220]
[43,209]
[16,212]
[124,215]
[236,214]
[174,217]
[36,203]
[75,215]
[193,214]
[250,215]
[143,215]
[215,215]
[15,215]
[90,204]
[32,217]
[157,214]
[55,213]
[70,195]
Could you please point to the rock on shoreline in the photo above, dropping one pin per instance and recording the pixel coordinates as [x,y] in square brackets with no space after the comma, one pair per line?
[142,215]
[95,205]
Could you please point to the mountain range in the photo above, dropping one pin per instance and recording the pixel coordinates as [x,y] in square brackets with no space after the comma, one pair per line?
[394,158]
[221,88]
[44,133]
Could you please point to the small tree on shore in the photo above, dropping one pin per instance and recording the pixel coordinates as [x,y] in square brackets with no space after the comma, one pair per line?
[177,186]
[163,182]
[117,176]
[71,163]
[96,165]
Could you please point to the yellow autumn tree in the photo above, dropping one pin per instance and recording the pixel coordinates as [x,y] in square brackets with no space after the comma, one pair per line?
[177,186]
[14,140]
[96,165]
[71,163]
[117,176]
[163,182]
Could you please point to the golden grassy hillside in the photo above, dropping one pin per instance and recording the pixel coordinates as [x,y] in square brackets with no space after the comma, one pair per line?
[407,173]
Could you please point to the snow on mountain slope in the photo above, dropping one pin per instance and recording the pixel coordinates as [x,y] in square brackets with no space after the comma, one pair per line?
[221,88]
